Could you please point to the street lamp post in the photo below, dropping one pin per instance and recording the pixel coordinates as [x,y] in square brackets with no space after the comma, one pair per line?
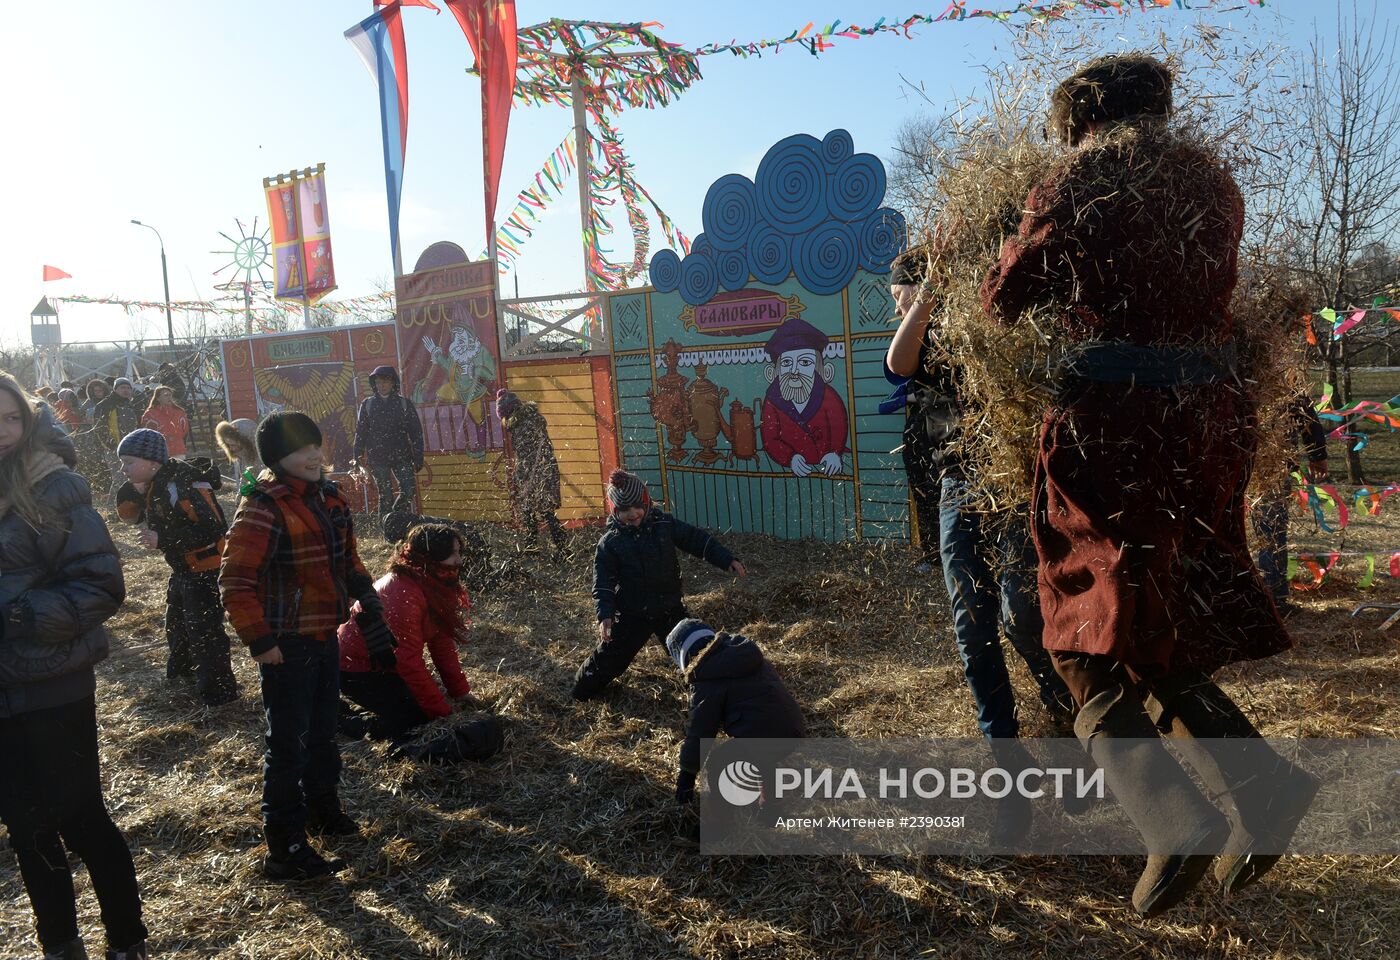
[165,278]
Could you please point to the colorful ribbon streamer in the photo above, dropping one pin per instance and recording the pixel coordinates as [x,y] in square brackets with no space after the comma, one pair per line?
[546,185]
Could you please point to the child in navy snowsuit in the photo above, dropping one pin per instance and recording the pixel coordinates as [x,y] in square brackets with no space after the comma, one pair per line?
[637,579]
[733,688]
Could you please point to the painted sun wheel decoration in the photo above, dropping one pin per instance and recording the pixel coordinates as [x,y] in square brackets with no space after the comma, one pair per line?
[813,210]
[249,256]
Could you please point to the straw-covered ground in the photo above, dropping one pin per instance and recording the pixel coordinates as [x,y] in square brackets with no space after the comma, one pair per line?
[564,845]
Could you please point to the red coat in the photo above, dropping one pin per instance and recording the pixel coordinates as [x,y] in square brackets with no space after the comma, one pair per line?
[784,434]
[172,424]
[406,613]
[1139,492]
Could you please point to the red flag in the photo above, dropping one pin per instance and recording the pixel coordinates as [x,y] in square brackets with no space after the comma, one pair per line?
[53,273]
[408,3]
[490,29]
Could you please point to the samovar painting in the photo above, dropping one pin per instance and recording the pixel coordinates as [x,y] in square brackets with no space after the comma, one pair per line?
[743,431]
[668,402]
[706,415]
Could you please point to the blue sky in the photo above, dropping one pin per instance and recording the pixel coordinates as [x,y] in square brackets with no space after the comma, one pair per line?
[173,111]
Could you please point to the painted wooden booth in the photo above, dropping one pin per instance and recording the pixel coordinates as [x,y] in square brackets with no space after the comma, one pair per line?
[750,375]
[744,384]
[446,343]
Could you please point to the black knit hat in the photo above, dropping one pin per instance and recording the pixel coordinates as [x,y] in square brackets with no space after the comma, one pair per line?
[1112,89]
[281,434]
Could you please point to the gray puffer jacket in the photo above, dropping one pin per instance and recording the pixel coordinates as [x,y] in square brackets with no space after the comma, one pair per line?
[58,585]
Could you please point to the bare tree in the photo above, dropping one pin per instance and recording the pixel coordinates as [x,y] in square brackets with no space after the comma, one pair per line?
[919,156]
[1349,199]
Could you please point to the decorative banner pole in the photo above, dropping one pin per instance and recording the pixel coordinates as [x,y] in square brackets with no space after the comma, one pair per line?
[582,145]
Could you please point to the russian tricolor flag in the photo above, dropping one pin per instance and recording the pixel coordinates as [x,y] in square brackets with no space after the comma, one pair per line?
[379,41]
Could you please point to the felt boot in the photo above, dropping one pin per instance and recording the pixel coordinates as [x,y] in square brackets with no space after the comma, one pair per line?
[1263,795]
[1180,828]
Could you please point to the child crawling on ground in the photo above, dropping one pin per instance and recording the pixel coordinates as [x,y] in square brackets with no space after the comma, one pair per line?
[733,688]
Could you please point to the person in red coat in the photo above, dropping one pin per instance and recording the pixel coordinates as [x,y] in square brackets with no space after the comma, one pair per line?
[426,608]
[168,418]
[804,424]
[1147,584]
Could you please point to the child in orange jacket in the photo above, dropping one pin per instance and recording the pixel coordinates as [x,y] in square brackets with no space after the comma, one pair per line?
[168,418]
[291,571]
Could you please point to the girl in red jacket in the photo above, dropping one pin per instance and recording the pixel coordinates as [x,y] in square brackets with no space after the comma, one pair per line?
[425,605]
[168,419]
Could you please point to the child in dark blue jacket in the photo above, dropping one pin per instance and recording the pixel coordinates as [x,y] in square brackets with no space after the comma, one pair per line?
[637,579]
[733,688]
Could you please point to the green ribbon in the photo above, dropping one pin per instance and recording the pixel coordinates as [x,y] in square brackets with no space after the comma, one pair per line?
[249,482]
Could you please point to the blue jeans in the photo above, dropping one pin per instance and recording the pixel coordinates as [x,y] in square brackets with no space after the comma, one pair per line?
[991,582]
[1270,518]
[301,700]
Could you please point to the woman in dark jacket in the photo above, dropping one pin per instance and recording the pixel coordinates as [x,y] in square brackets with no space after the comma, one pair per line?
[62,579]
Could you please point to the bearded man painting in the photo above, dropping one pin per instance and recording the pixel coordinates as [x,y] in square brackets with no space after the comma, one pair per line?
[804,425]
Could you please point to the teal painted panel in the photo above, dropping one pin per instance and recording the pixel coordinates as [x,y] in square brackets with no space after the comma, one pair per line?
[883,510]
[872,305]
[762,493]
[874,475]
[884,530]
[780,506]
[629,321]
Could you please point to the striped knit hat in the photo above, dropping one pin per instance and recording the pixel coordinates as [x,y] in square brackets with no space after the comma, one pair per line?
[627,490]
[685,638]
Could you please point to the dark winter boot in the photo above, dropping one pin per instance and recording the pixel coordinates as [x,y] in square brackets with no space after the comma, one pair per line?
[291,858]
[1181,830]
[72,950]
[136,951]
[1013,818]
[326,818]
[556,534]
[1263,795]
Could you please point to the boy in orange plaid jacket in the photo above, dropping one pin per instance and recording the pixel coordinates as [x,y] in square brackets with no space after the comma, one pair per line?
[289,575]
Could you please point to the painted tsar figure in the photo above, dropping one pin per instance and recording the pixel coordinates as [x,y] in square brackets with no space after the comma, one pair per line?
[470,369]
[804,424]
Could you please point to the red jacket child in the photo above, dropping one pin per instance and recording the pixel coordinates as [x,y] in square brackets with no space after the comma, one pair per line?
[417,622]
[169,421]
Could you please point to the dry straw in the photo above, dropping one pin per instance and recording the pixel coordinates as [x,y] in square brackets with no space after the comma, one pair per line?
[995,149]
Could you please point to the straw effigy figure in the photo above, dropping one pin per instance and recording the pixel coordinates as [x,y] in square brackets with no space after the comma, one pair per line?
[1125,263]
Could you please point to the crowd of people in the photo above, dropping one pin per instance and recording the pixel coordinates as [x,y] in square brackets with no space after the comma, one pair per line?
[1124,587]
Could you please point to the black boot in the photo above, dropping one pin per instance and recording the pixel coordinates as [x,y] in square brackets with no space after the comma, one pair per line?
[137,951]
[72,950]
[326,818]
[588,682]
[1181,829]
[290,857]
[1263,795]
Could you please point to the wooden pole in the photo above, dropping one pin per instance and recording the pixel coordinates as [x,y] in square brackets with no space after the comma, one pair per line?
[582,156]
